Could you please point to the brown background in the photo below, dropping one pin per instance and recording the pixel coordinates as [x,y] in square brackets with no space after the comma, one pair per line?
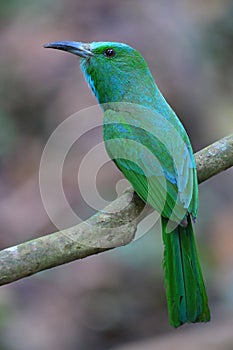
[118,297]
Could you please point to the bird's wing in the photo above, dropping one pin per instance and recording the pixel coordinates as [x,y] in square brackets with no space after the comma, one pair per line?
[153,156]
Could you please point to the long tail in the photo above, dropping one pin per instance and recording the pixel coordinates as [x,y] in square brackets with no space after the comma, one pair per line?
[185,290]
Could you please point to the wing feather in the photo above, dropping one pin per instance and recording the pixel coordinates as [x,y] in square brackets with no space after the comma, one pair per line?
[154,156]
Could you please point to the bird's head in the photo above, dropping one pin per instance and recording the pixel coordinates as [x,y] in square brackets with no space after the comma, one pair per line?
[114,71]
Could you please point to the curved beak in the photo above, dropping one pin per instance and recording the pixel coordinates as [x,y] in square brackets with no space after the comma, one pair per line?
[77,48]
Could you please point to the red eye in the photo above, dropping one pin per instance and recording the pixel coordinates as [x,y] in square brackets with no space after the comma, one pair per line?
[109,53]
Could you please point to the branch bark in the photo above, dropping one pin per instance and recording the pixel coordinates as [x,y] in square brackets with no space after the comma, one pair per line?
[103,231]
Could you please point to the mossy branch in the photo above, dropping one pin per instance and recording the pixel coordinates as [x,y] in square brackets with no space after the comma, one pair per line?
[102,231]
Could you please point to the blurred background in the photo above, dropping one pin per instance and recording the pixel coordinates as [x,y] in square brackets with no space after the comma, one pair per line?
[117,298]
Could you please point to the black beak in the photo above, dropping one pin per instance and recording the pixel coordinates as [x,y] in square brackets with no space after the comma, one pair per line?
[77,48]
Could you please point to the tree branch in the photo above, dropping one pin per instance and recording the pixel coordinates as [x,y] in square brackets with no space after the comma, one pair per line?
[102,231]
[214,158]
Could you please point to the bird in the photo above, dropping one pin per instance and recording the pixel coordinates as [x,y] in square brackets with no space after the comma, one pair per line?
[148,143]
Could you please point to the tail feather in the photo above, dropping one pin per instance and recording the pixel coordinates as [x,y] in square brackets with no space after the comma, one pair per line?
[185,290]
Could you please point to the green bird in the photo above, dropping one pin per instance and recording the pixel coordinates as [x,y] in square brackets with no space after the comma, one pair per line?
[148,143]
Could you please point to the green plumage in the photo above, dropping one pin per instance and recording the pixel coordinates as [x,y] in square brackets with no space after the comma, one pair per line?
[148,143]
[185,290]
